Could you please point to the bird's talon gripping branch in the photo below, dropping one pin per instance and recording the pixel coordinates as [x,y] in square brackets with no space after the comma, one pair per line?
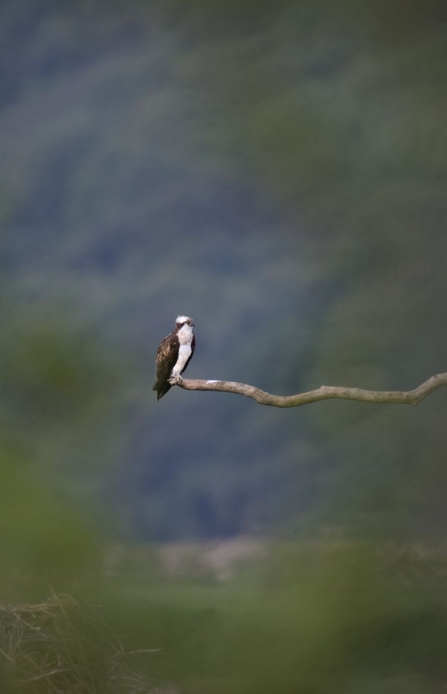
[175,380]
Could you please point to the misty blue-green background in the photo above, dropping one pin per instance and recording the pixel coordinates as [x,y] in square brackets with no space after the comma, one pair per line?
[275,170]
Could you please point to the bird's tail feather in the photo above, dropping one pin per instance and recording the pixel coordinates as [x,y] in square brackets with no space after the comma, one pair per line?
[161,387]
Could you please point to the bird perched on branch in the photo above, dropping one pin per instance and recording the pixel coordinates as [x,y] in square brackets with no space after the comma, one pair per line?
[174,354]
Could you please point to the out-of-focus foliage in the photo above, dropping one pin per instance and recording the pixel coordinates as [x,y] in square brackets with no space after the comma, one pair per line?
[51,402]
[43,535]
[320,618]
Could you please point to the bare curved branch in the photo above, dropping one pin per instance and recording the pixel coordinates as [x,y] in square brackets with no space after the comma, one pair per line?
[396,397]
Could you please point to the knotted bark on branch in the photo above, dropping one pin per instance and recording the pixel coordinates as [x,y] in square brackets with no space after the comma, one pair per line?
[396,397]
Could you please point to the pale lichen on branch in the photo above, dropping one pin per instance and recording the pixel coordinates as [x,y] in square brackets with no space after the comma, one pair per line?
[397,397]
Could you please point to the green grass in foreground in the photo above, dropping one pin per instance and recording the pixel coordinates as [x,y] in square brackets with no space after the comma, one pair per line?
[316,619]
[340,619]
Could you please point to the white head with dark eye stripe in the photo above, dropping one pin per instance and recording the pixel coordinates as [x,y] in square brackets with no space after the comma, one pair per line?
[184,320]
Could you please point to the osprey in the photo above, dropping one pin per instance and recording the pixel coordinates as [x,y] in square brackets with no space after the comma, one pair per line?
[174,354]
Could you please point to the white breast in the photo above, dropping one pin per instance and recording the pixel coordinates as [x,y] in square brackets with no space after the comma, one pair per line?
[185,336]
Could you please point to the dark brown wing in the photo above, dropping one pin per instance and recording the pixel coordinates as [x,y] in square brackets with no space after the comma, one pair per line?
[193,346]
[167,354]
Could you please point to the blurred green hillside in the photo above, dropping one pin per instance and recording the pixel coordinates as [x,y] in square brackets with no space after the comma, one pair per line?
[277,171]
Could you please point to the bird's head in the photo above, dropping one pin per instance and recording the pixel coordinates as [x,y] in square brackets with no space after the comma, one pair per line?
[184,320]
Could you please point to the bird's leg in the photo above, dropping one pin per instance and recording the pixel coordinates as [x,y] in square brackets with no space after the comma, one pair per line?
[175,379]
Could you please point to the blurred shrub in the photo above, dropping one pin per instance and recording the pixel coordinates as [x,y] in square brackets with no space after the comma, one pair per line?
[56,393]
[52,374]
[43,535]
